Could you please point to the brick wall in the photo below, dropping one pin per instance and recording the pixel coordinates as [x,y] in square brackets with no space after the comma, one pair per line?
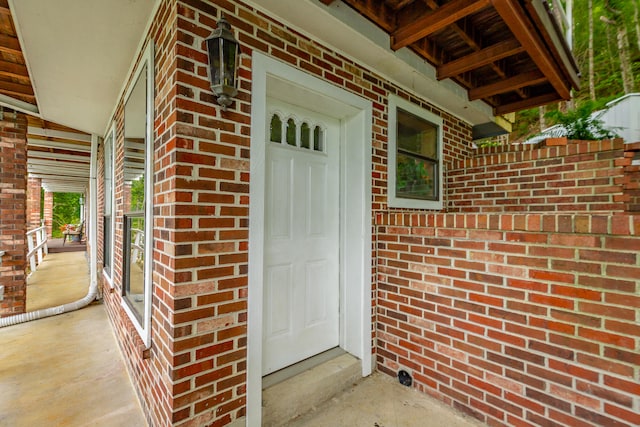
[520,318]
[33,202]
[100,196]
[582,176]
[150,369]
[13,205]
[632,175]
[514,319]
[195,372]
[202,194]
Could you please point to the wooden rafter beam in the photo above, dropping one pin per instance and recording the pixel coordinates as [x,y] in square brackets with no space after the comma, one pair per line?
[29,99]
[327,2]
[478,59]
[527,103]
[515,18]
[399,4]
[460,28]
[17,88]
[377,11]
[13,70]
[10,45]
[431,22]
[433,55]
[513,83]
[427,50]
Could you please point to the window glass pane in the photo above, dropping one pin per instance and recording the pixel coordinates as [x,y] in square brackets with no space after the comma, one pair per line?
[416,178]
[108,164]
[107,243]
[134,264]
[276,129]
[318,139]
[135,163]
[108,208]
[135,119]
[305,136]
[291,132]
[134,194]
[417,135]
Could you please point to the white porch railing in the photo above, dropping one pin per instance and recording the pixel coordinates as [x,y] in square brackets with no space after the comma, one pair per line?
[137,246]
[37,245]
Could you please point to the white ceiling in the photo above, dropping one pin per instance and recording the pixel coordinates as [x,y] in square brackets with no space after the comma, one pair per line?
[79,53]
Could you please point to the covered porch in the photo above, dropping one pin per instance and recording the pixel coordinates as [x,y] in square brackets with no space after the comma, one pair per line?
[514,303]
[67,370]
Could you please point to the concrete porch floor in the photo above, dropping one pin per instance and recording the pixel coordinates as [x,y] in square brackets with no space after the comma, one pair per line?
[66,370]
[380,401]
[60,279]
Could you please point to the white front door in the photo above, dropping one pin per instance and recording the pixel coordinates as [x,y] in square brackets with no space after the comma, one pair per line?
[301,315]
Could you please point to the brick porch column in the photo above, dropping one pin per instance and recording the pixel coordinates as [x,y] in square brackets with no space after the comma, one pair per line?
[48,212]
[13,216]
[33,202]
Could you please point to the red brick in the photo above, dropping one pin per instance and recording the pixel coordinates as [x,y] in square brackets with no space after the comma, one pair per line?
[607,310]
[632,417]
[607,337]
[552,276]
[605,365]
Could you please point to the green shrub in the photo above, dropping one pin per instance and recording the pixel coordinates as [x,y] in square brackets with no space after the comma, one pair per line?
[579,123]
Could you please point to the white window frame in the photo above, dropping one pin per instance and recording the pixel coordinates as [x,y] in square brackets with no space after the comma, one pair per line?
[111,136]
[144,329]
[395,103]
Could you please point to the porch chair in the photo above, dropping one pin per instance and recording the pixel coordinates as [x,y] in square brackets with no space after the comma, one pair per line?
[79,231]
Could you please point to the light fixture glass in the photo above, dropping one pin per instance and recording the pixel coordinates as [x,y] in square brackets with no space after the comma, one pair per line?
[224,53]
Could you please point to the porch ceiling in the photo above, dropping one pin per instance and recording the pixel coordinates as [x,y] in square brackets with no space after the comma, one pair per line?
[508,53]
[79,53]
[60,156]
[65,63]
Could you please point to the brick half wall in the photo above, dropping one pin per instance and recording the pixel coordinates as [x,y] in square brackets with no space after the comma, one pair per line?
[581,176]
[514,319]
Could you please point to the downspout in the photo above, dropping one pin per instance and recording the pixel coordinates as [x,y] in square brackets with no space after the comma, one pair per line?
[92,293]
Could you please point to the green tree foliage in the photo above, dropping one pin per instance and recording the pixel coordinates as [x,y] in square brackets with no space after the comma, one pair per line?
[66,210]
[607,70]
[137,195]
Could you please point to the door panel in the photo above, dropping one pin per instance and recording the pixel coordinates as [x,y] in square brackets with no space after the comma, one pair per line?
[301,257]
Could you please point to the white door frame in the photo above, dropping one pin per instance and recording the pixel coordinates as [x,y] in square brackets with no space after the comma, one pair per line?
[273,78]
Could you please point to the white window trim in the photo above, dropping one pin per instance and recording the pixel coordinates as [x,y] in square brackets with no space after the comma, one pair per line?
[112,134]
[144,330]
[396,102]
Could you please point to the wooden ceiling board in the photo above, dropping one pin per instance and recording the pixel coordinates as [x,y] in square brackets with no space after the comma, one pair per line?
[432,21]
[478,43]
[14,76]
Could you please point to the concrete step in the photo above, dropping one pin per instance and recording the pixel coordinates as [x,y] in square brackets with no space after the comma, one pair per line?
[295,396]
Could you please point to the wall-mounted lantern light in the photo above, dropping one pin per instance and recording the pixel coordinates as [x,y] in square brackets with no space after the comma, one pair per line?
[224,52]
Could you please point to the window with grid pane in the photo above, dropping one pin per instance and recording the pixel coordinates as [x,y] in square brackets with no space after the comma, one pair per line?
[415,156]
